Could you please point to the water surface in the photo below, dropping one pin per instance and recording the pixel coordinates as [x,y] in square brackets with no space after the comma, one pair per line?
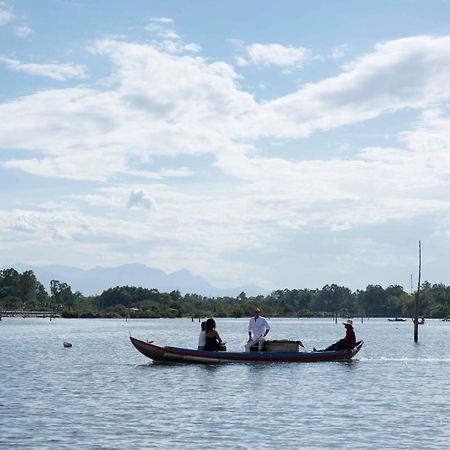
[103,394]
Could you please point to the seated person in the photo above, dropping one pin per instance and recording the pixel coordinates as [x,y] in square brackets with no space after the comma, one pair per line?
[202,336]
[213,342]
[347,342]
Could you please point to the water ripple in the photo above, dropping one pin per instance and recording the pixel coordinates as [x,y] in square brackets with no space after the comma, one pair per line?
[102,394]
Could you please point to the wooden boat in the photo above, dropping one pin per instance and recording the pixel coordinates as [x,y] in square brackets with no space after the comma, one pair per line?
[186,355]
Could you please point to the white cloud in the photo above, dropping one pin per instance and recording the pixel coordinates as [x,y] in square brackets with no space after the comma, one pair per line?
[192,47]
[141,200]
[241,62]
[149,110]
[176,46]
[173,239]
[339,51]
[276,54]
[162,31]
[399,74]
[82,165]
[60,72]
[36,225]
[6,13]
[8,17]
[22,30]
[164,20]
[168,39]
[162,173]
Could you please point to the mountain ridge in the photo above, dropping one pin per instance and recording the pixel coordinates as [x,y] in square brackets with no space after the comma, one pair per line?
[95,280]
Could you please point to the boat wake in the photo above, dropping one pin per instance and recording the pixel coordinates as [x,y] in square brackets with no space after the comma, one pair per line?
[394,359]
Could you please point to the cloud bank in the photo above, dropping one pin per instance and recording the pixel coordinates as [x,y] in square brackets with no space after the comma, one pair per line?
[242,197]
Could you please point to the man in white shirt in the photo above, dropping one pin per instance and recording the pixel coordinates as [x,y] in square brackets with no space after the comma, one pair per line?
[257,330]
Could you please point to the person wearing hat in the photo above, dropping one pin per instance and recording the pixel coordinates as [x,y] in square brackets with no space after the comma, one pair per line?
[348,342]
[257,330]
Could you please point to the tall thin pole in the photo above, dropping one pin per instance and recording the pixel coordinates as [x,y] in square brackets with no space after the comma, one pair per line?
[416,303]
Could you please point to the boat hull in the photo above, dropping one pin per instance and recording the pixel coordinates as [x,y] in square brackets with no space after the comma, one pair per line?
[184,355]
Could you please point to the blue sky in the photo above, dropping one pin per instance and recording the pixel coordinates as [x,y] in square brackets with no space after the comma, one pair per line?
[288,144]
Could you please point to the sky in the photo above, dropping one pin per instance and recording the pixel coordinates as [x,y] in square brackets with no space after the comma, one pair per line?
[288,144]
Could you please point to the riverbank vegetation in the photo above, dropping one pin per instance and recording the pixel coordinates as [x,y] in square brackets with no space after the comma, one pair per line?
[22,291]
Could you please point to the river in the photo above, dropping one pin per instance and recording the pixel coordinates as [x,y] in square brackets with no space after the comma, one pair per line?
[102,394]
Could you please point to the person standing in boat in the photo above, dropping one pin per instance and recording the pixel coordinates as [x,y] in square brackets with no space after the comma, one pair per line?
[257,330]
[347,342]
[202,336]
[213,342]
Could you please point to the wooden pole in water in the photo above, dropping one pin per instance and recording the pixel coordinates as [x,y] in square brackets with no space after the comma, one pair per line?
[416,303]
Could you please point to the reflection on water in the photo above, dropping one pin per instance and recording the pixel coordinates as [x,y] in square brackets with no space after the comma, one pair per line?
[102,393]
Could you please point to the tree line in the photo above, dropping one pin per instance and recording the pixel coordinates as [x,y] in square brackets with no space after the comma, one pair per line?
[22,291]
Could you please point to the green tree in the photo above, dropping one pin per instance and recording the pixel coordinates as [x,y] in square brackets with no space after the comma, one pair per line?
[374,299]
[62,295]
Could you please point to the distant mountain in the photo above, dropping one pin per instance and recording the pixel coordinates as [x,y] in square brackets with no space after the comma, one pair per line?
[96,280]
